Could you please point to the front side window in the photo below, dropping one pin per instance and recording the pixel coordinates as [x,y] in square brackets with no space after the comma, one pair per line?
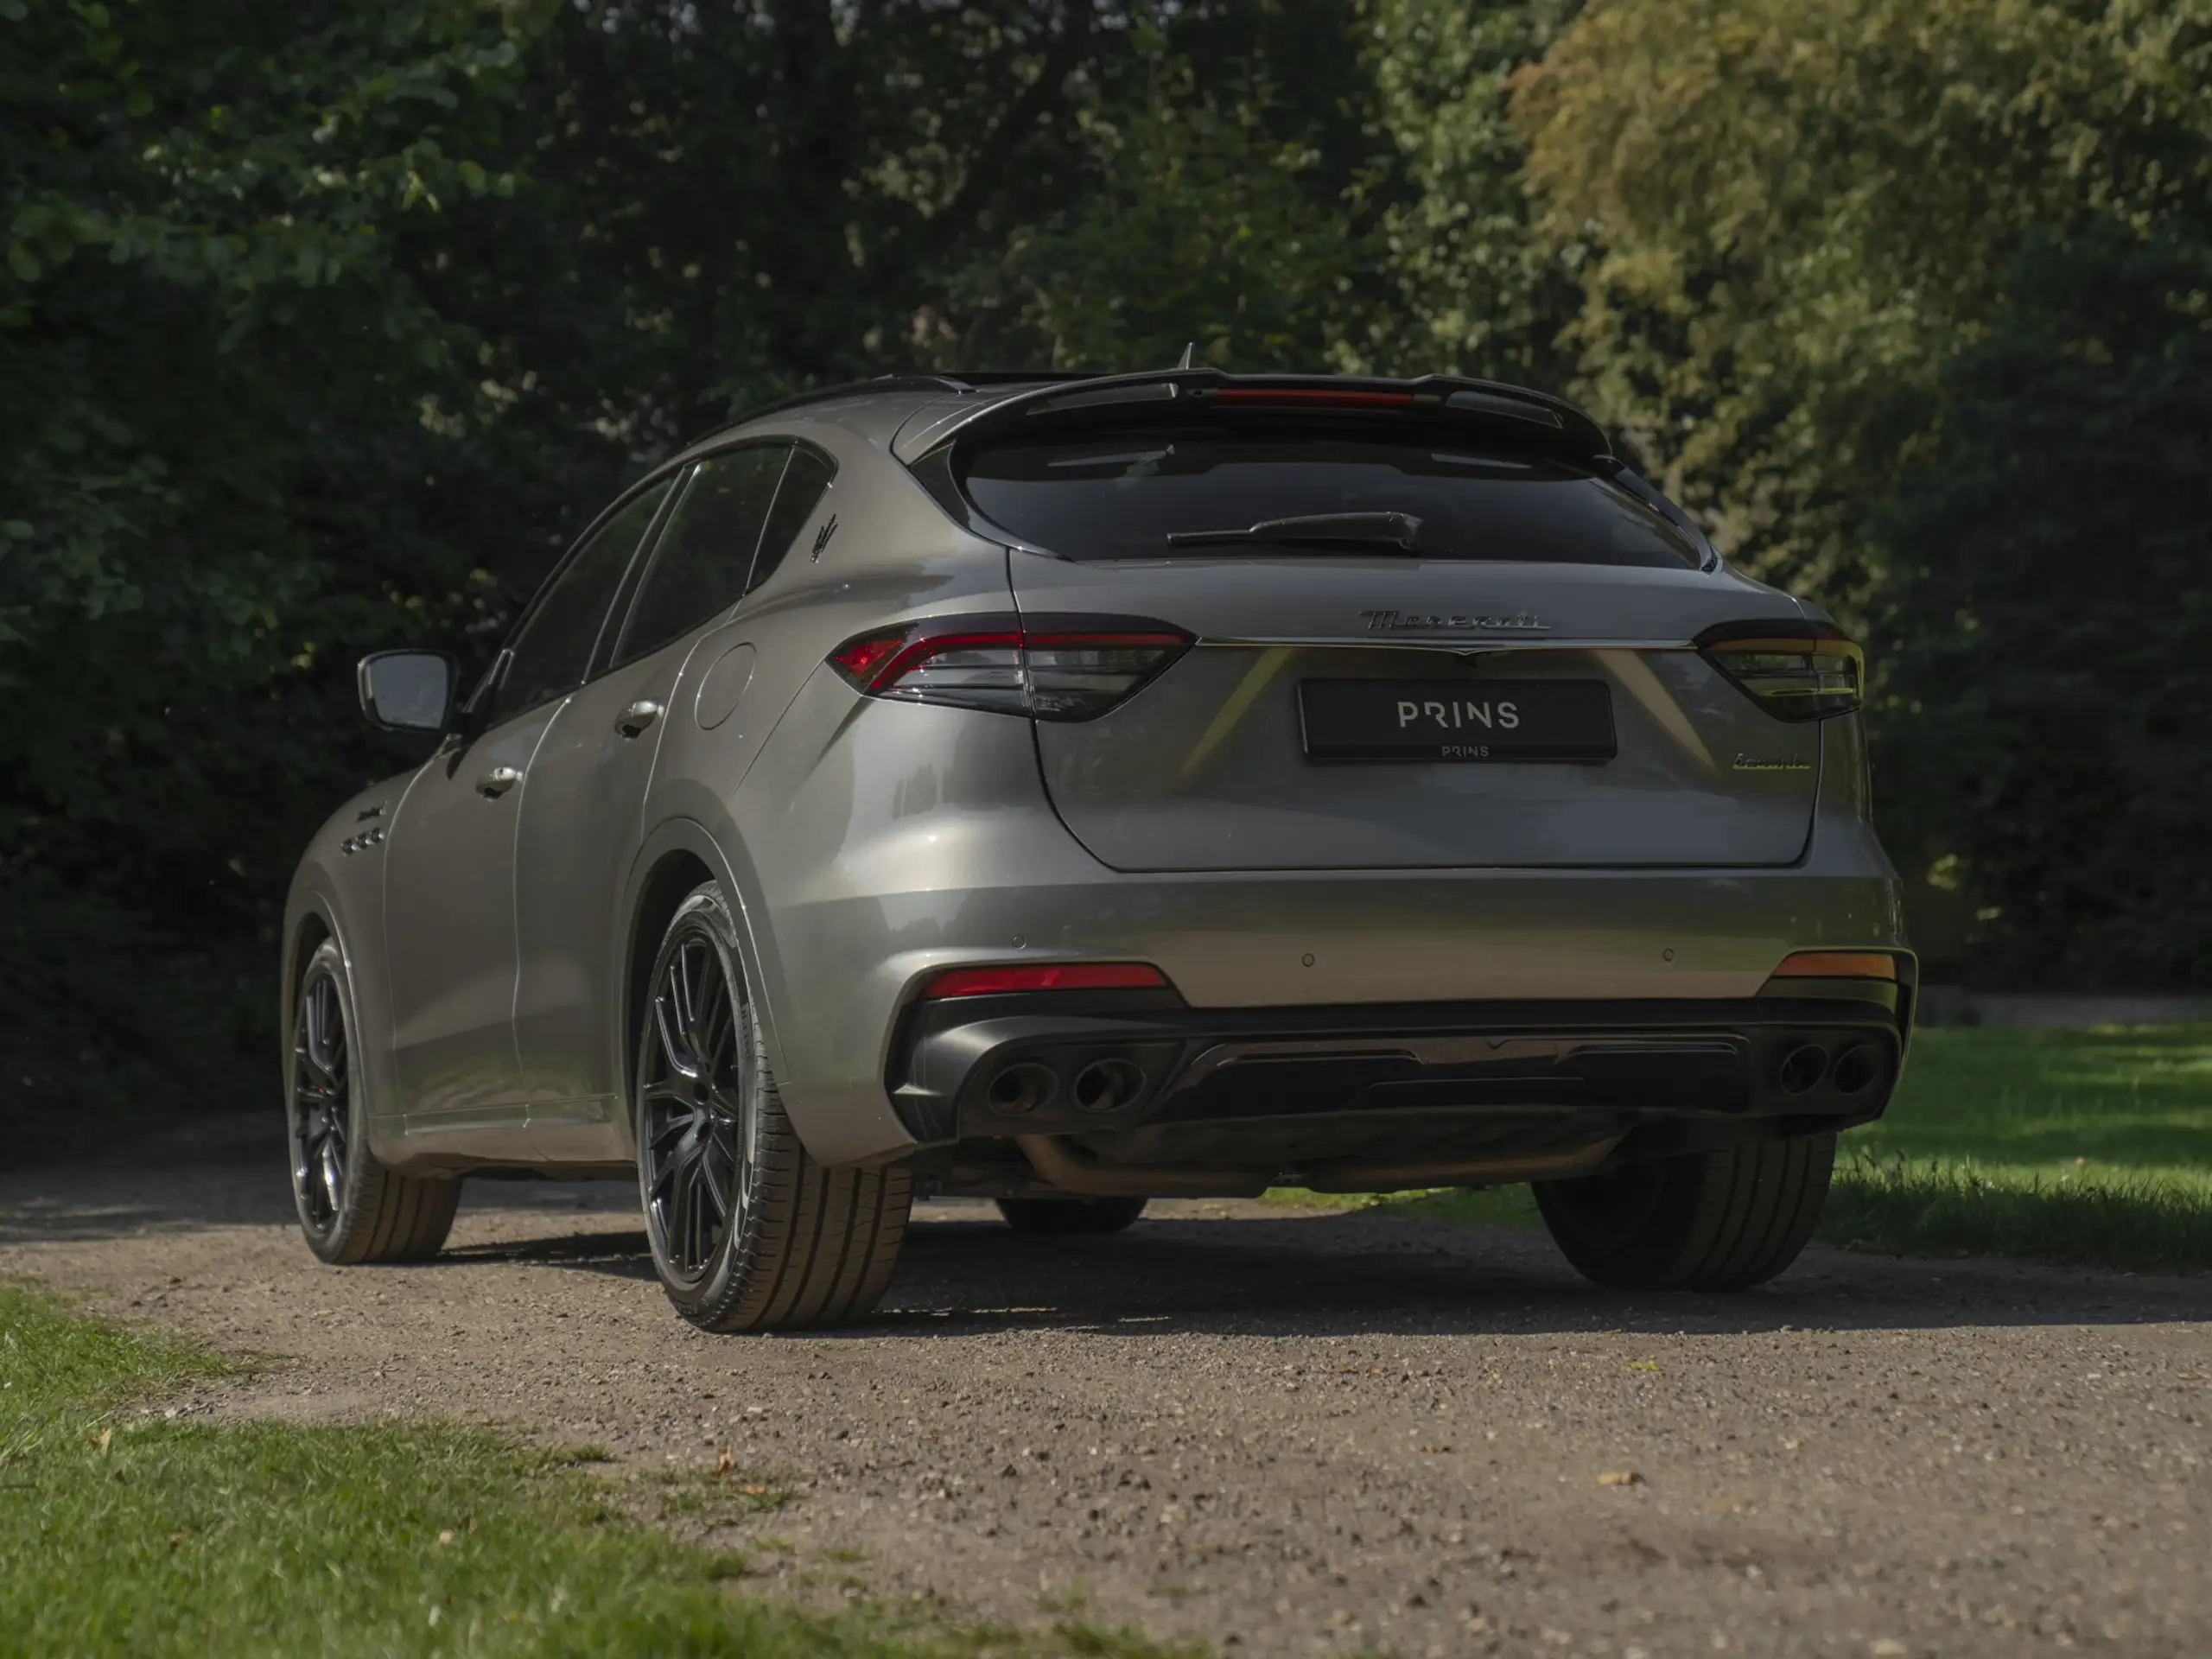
[1154,492]
[551,650]
[705,557]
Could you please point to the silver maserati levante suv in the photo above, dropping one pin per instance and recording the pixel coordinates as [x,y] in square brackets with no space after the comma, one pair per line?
[1075,791]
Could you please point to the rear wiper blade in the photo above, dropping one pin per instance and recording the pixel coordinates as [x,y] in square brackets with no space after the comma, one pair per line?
[1345,528]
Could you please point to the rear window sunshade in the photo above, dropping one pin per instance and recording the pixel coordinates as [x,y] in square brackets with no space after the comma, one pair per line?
[1147,492]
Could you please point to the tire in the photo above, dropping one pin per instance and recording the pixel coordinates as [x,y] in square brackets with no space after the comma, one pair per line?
[351,1208]
[1071,1215]
[749,1232]
[1723,1220]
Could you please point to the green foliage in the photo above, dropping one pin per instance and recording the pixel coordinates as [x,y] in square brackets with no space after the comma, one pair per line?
[1860,266]
[125,1532]
[2049,602]
[1459,284]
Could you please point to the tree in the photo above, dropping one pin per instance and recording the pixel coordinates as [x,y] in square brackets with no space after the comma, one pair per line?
[1842,248]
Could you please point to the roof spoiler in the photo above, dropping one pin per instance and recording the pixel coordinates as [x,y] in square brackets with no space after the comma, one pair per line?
[1532,416]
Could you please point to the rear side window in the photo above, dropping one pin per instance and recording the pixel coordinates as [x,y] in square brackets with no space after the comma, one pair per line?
[804,481]
[705,556]
[1124,495]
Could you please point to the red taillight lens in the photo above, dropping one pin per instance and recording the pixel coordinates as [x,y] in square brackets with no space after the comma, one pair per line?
[1046,976]
[1051,668]
[1793,669]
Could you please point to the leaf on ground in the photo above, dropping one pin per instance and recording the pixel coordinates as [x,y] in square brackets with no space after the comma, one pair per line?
[727,1461]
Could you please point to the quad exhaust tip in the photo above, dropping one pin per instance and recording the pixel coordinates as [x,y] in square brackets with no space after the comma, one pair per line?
[1857,1068]
[1021,1087]
[1854,1071]
[1105,1084]
[1803,1068]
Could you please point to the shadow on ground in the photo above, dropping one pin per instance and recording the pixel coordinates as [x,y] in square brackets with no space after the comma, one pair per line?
[1245,1268]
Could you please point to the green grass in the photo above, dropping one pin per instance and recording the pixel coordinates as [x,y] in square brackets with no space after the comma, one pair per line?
[2083,1147]
[124,1532]
[2080,1147]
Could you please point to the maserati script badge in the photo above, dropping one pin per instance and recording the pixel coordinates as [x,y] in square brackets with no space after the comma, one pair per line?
[1437,622]
[1757,762]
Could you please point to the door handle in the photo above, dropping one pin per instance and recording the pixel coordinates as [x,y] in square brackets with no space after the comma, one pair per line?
[639,715]
[497,782]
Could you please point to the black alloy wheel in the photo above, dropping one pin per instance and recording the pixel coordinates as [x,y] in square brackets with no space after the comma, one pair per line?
[749,1232]
[353,1208]
[321,1100]
[696,1137]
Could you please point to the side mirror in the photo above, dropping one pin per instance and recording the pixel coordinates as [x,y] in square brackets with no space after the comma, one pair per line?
[408,691]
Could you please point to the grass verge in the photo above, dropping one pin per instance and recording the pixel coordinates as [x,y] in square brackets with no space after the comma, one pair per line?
[2078,1148]
[124,1532]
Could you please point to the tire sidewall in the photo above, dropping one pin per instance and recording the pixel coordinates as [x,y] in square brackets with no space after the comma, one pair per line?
[704,914]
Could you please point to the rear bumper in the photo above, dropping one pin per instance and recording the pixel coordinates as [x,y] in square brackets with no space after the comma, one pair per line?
[1367,1097]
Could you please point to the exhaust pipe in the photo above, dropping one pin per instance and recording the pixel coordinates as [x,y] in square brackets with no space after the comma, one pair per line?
[1857,1068]
[1057,1160]
[1481,1171]
[1105,1084]
[1801,1069]
[1021,1087]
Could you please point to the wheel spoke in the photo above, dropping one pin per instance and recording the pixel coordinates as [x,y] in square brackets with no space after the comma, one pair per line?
[714,1037]
[680,994]
[673,1047]
[717,1194]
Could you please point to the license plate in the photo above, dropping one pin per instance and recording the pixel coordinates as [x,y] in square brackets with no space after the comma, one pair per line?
[1472,721]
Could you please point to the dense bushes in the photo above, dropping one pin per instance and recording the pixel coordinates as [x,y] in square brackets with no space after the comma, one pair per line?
[322,322]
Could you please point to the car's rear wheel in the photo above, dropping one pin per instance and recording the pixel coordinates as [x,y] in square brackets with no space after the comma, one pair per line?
[749,1232]
[351,1208]
[1071,1215]
[1723,1220]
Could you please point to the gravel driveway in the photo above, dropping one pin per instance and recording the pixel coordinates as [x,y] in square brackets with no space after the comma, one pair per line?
[1283,1431]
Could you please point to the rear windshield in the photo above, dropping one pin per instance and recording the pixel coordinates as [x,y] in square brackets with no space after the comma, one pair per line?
[1121,496]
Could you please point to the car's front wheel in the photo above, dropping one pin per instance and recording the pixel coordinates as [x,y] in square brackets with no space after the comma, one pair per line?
[749,1232]
[351,1208]
[1723,1220]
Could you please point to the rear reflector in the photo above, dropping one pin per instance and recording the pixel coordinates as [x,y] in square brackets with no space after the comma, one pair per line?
[1838,965]
[1794,669]
[1053,976]
[1050,668]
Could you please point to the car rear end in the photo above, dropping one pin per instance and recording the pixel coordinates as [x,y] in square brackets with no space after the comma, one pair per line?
[1428,804]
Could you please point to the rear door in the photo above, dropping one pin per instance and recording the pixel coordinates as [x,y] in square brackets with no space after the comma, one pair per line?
[580,823]
[1516,687]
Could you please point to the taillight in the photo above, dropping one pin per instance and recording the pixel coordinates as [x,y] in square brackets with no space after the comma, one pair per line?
[1794,669]
[1051,667]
